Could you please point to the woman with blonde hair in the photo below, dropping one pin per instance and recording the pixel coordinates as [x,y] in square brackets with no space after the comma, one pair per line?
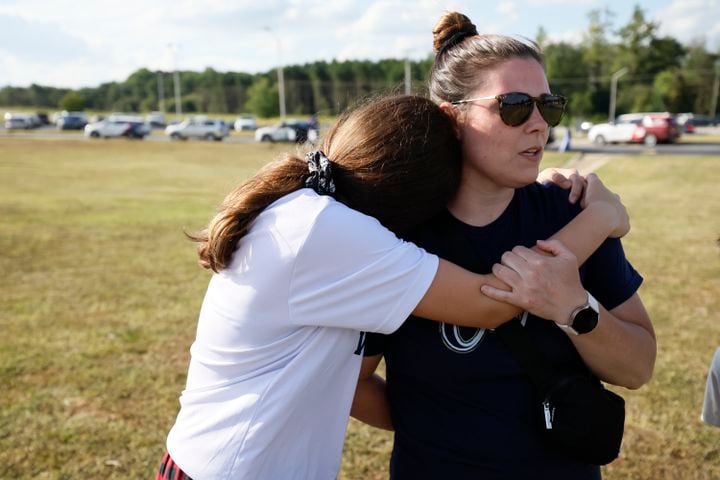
[459,401]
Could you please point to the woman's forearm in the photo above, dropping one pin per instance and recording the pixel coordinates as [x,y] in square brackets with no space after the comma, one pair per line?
[454,296]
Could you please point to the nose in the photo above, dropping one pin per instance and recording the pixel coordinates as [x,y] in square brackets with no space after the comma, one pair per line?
[536,122]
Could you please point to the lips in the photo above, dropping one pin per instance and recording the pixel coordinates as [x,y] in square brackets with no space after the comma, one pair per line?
[535,150]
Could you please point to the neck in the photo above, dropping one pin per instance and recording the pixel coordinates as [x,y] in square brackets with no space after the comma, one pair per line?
[480,205]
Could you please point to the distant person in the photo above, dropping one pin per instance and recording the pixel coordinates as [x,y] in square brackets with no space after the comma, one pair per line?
[711,403]
[565,141]
[313,122]
[301,269]
[460,404]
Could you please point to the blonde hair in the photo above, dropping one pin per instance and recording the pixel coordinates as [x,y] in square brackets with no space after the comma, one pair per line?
[462,55]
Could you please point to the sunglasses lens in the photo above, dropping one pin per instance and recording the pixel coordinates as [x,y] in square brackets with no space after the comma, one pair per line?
[552,108]
[515,108]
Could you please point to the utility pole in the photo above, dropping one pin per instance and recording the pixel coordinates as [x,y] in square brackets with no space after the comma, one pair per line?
[176,80]
[281,78]
[178,103]
[408,85]
[613,92]
[161,92]
[716,86]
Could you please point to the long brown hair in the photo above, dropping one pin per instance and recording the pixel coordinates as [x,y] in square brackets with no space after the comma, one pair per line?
[462,55]
[394,158]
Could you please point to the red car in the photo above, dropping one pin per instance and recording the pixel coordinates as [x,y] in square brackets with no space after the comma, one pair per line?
[653,128]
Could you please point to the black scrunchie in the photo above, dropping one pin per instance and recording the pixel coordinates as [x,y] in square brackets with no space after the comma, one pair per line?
[320,178]
[456,38]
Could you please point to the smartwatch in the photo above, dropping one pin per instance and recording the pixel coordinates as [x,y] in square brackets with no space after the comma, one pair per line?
[584,318]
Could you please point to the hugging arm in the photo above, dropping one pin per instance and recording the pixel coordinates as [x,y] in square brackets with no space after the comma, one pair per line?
[447,299]
[454,295]
[370,404]
[620,350]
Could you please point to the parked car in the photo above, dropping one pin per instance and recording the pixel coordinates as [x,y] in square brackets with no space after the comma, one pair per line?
[245,122]
[687,122]
[117,126]
[21,121]
[71,121]
[156,119]
[43,118]
[198,127]
[297,131]
[647,128]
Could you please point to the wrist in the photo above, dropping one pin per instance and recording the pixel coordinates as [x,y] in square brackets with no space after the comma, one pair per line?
[584,318]
[605,215]
[564,316]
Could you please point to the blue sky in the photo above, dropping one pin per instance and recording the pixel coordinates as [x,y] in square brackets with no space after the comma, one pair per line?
[87,42]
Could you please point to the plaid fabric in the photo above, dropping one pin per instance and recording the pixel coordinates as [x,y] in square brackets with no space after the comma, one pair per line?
[169,470]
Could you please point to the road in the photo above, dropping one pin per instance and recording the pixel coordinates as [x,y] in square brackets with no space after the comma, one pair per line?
[579,144]
[51,133]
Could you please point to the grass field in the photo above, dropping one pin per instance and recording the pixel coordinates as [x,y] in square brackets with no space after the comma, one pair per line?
[100,294]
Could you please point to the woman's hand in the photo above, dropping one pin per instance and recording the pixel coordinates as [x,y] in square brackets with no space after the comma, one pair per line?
[564,178]
[547,286]
[596,191]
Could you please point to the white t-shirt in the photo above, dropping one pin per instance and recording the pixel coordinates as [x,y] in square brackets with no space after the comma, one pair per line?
[278,347]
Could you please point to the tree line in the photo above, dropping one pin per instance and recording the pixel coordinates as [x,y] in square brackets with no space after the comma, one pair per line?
[662,74]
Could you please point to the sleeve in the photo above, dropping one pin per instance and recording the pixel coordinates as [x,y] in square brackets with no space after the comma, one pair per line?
[608,275]
[375,344]
[351,272]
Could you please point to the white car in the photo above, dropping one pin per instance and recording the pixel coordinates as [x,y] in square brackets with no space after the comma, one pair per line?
[16,121]
[622,131]
[156,119]
[198,127]
[118,126]
[245,122]
[297,131]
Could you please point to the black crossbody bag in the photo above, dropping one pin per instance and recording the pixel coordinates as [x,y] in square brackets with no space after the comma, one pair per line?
[577,414]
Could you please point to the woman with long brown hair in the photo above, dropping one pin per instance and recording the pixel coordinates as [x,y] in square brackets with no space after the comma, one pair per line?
[304,262]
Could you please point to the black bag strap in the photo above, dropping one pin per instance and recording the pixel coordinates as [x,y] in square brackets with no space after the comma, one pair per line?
[515,337]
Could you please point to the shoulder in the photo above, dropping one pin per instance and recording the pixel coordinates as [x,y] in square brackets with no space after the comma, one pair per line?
[303,213]
[548,200]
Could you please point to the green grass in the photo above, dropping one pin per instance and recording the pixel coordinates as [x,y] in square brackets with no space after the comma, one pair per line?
[100,295]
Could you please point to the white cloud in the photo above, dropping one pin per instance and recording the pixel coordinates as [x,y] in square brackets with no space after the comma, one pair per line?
[87,42]
[508,9]
[689,20]
[543,3]
[573,37]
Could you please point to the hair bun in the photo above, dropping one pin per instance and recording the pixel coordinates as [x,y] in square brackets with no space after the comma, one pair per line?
[451,29]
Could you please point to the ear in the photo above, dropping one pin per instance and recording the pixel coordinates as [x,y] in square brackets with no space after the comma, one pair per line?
[456,116]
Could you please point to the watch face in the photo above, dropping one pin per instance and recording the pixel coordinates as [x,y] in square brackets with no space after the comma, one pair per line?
[585,321]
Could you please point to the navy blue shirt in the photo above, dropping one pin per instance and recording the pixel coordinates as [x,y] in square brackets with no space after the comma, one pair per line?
[461,405]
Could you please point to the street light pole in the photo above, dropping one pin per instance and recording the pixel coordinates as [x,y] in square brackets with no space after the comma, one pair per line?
[613,92]
[281,78]
[408,85]
[161,92]
[176,80]
[716,86]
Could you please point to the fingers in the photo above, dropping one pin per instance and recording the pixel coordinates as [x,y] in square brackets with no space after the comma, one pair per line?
[576,190]
[507,274]
[554,248]
[496,293]
[560,180]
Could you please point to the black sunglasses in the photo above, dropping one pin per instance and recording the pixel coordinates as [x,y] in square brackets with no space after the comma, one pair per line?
[516,107]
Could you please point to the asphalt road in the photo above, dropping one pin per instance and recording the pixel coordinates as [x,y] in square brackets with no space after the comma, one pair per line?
[51,133]
[578,144]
